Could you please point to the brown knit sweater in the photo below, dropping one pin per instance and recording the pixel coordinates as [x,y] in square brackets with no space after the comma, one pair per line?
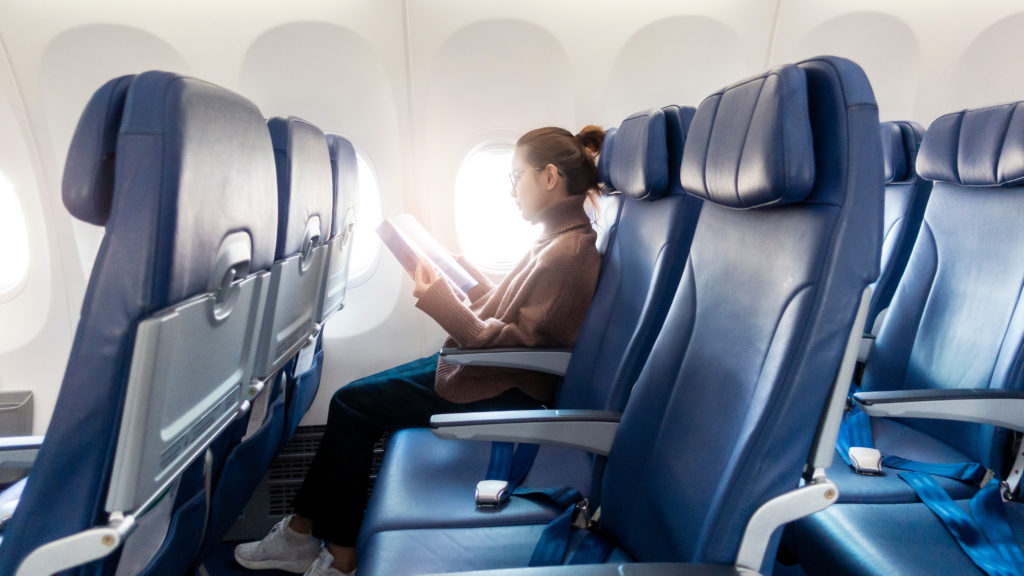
[541,303]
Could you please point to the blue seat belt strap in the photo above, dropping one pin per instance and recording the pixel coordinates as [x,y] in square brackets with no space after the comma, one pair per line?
[554,540]
[594,549]
[989,511]
[970,472]
[510,462]
[855,430]
[500,466]
[988,556]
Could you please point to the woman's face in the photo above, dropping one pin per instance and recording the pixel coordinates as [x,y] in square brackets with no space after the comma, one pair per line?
[528,186]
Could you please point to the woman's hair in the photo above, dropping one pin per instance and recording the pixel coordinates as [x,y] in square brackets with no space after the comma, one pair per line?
[592,137]
[568,153]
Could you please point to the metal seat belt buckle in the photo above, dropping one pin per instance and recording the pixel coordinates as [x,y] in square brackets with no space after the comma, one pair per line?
[491,493]
[867,461]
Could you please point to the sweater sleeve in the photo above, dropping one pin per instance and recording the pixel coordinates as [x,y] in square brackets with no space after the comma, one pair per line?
[551,305]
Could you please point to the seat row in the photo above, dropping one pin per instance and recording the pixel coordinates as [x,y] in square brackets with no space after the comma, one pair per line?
[695,414]
[941,326]
[225,250]
[702,401]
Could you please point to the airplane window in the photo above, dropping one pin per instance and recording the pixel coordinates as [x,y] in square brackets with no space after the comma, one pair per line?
[490,230]
[366,243]
[13,238]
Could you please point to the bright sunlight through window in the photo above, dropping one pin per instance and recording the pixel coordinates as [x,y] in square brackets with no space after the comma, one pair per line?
[366,243]
[491,232]
[13,238]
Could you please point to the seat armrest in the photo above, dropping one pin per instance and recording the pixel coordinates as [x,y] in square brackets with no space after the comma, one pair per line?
[19,451]
[551,360]
[652,569]
[1003,408]
[590,430]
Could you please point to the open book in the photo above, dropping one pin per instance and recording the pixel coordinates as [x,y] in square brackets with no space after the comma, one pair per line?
[409,241]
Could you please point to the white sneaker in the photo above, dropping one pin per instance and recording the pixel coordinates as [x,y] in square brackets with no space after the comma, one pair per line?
[322,566]
[282,549]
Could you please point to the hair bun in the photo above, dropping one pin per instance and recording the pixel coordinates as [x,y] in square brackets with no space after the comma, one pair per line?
[592,137]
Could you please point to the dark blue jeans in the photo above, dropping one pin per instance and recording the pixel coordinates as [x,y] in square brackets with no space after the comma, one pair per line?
[333,494]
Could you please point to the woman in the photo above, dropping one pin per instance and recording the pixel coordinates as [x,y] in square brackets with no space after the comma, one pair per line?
[542,302]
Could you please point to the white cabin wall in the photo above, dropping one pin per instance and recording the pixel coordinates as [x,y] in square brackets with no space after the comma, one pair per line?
[417,85]
[924,58]
[35,328]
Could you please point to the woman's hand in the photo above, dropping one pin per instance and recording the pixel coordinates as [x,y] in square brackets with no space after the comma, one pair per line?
[425,278]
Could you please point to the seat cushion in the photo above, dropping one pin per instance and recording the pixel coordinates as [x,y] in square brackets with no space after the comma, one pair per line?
[402,552]
[425,481]
[893,438]
[885,539]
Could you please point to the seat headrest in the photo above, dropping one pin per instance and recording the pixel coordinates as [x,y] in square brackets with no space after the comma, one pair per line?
[677,124]
[750,144]
[900,143]
[894,154]
[304,182]
[980,147]
[638,166]
[605,157]
[88,185]
[345,172]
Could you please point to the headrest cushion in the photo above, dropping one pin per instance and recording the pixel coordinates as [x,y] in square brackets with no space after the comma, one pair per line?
[88,185]
[677,124]
[750,144]
[981,147]
[345,170]
[639,163]
[605,157]
[894,154]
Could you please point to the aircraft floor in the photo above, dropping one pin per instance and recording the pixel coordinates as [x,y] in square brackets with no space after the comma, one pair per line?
[221,562]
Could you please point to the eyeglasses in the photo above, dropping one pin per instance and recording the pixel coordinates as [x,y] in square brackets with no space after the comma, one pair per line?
[515,175]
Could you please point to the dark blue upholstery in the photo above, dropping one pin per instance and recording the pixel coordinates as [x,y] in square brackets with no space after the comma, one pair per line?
[302,388]
[982,147]
[751,143]
[344,179]
[906,196]
[304,191]
[304,182]
[884,539]
[604,159]
[88,186]
[640,270]
[722,416]
[640,169]
[955,322]
[193,164]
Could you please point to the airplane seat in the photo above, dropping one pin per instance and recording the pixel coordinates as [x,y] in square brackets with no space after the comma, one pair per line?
[955,325]
[304,210]
[906,196]
[305,370]
[607,205]
[724,415]
[425,481]
[179,173]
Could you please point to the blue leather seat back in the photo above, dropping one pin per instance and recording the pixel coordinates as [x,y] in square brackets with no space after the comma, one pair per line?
[609,203]
[956,320]
[171,166]
[305,202]
[345,187]
[304,183]
[642,264]
[906,196]
[724,412]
